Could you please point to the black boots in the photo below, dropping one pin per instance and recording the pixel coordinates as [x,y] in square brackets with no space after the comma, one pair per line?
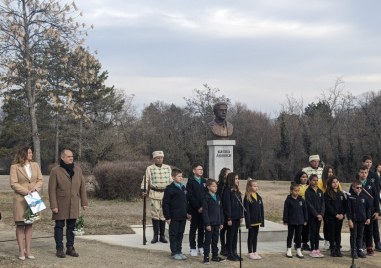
[155,225]
[158,226]
[162,231]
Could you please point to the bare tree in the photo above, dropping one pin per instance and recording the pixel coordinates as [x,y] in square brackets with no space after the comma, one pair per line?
[26,28]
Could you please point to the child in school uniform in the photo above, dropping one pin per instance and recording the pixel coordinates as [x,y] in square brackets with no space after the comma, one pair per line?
[316,209]
[358,214]
[301,178]
[196,190]
[254,217]
[335,209]
[295,216]
[373,198]
[175,213]
[213,218]
[233,214]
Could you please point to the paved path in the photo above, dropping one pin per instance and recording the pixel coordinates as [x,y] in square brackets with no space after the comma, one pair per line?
[136,241]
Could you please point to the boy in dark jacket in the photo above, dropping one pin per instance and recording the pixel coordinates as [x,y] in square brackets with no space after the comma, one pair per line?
[358,214]
[373,178]
[196,190]
[175,213]
[294,216]
[213,218]
[374,201]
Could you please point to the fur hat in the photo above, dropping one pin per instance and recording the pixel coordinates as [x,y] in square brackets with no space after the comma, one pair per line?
[314,157]
[157,153]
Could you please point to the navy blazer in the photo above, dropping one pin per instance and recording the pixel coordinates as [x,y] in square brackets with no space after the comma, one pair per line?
[212,213]
[175,203]
[295,211]
[232,204]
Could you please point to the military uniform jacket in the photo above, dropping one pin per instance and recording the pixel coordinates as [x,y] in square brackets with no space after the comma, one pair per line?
[157,179]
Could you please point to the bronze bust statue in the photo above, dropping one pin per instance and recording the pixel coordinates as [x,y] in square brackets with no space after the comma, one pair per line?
[221,129]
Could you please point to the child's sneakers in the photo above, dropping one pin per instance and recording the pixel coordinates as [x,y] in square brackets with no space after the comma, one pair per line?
[177,257]
[254,256]
[289,253]
[319,253]
[218,259]
[314,254]
[299,253]
[183,256]
[193,252]
[370,251]
[326,244]
[201,251]
[206,261]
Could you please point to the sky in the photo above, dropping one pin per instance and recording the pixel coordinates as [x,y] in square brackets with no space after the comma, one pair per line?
[257,52]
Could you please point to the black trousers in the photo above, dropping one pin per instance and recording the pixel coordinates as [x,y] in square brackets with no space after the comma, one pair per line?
[294,231]
[334,236]
[211,239]
[252,239]
[368,234]
[58,233]
[314,232]
[232,235]
[176,234]
[356,236]
[197,225]
[376,232]
[305,234]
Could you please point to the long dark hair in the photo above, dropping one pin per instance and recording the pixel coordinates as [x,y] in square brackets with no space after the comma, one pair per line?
[299,175]
[231,182]
[330,191]
[324,175]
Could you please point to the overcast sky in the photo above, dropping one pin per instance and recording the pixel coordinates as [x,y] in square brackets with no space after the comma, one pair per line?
[255,51]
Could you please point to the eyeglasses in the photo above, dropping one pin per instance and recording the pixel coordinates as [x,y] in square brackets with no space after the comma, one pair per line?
[358,187]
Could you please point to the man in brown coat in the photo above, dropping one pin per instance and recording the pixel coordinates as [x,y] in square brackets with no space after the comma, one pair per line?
[66,191]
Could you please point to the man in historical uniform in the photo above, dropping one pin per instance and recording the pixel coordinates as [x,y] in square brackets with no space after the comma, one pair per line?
[157,178]
[314,166]
[220,127]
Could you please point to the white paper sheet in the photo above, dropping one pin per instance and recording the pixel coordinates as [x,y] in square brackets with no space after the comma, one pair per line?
[35,202]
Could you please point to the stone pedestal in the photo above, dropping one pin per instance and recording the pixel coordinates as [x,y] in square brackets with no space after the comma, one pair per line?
[220,156]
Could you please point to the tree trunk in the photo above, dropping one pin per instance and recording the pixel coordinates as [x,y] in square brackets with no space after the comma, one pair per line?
[57,156]
[80,139]
[30,91]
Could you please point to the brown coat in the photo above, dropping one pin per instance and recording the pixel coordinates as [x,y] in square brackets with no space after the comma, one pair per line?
[21,184]
[65,193]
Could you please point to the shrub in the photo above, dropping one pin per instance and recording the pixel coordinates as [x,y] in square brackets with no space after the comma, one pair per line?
[119,180]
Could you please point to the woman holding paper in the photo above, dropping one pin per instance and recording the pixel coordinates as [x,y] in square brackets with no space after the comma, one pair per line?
[25,178]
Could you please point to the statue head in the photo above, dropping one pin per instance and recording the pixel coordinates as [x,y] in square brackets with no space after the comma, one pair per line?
[220,110]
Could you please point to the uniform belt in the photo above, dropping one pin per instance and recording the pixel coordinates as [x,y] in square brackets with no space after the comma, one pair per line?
[157,190]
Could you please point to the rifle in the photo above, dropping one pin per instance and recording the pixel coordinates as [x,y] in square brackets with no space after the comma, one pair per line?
[144,211]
